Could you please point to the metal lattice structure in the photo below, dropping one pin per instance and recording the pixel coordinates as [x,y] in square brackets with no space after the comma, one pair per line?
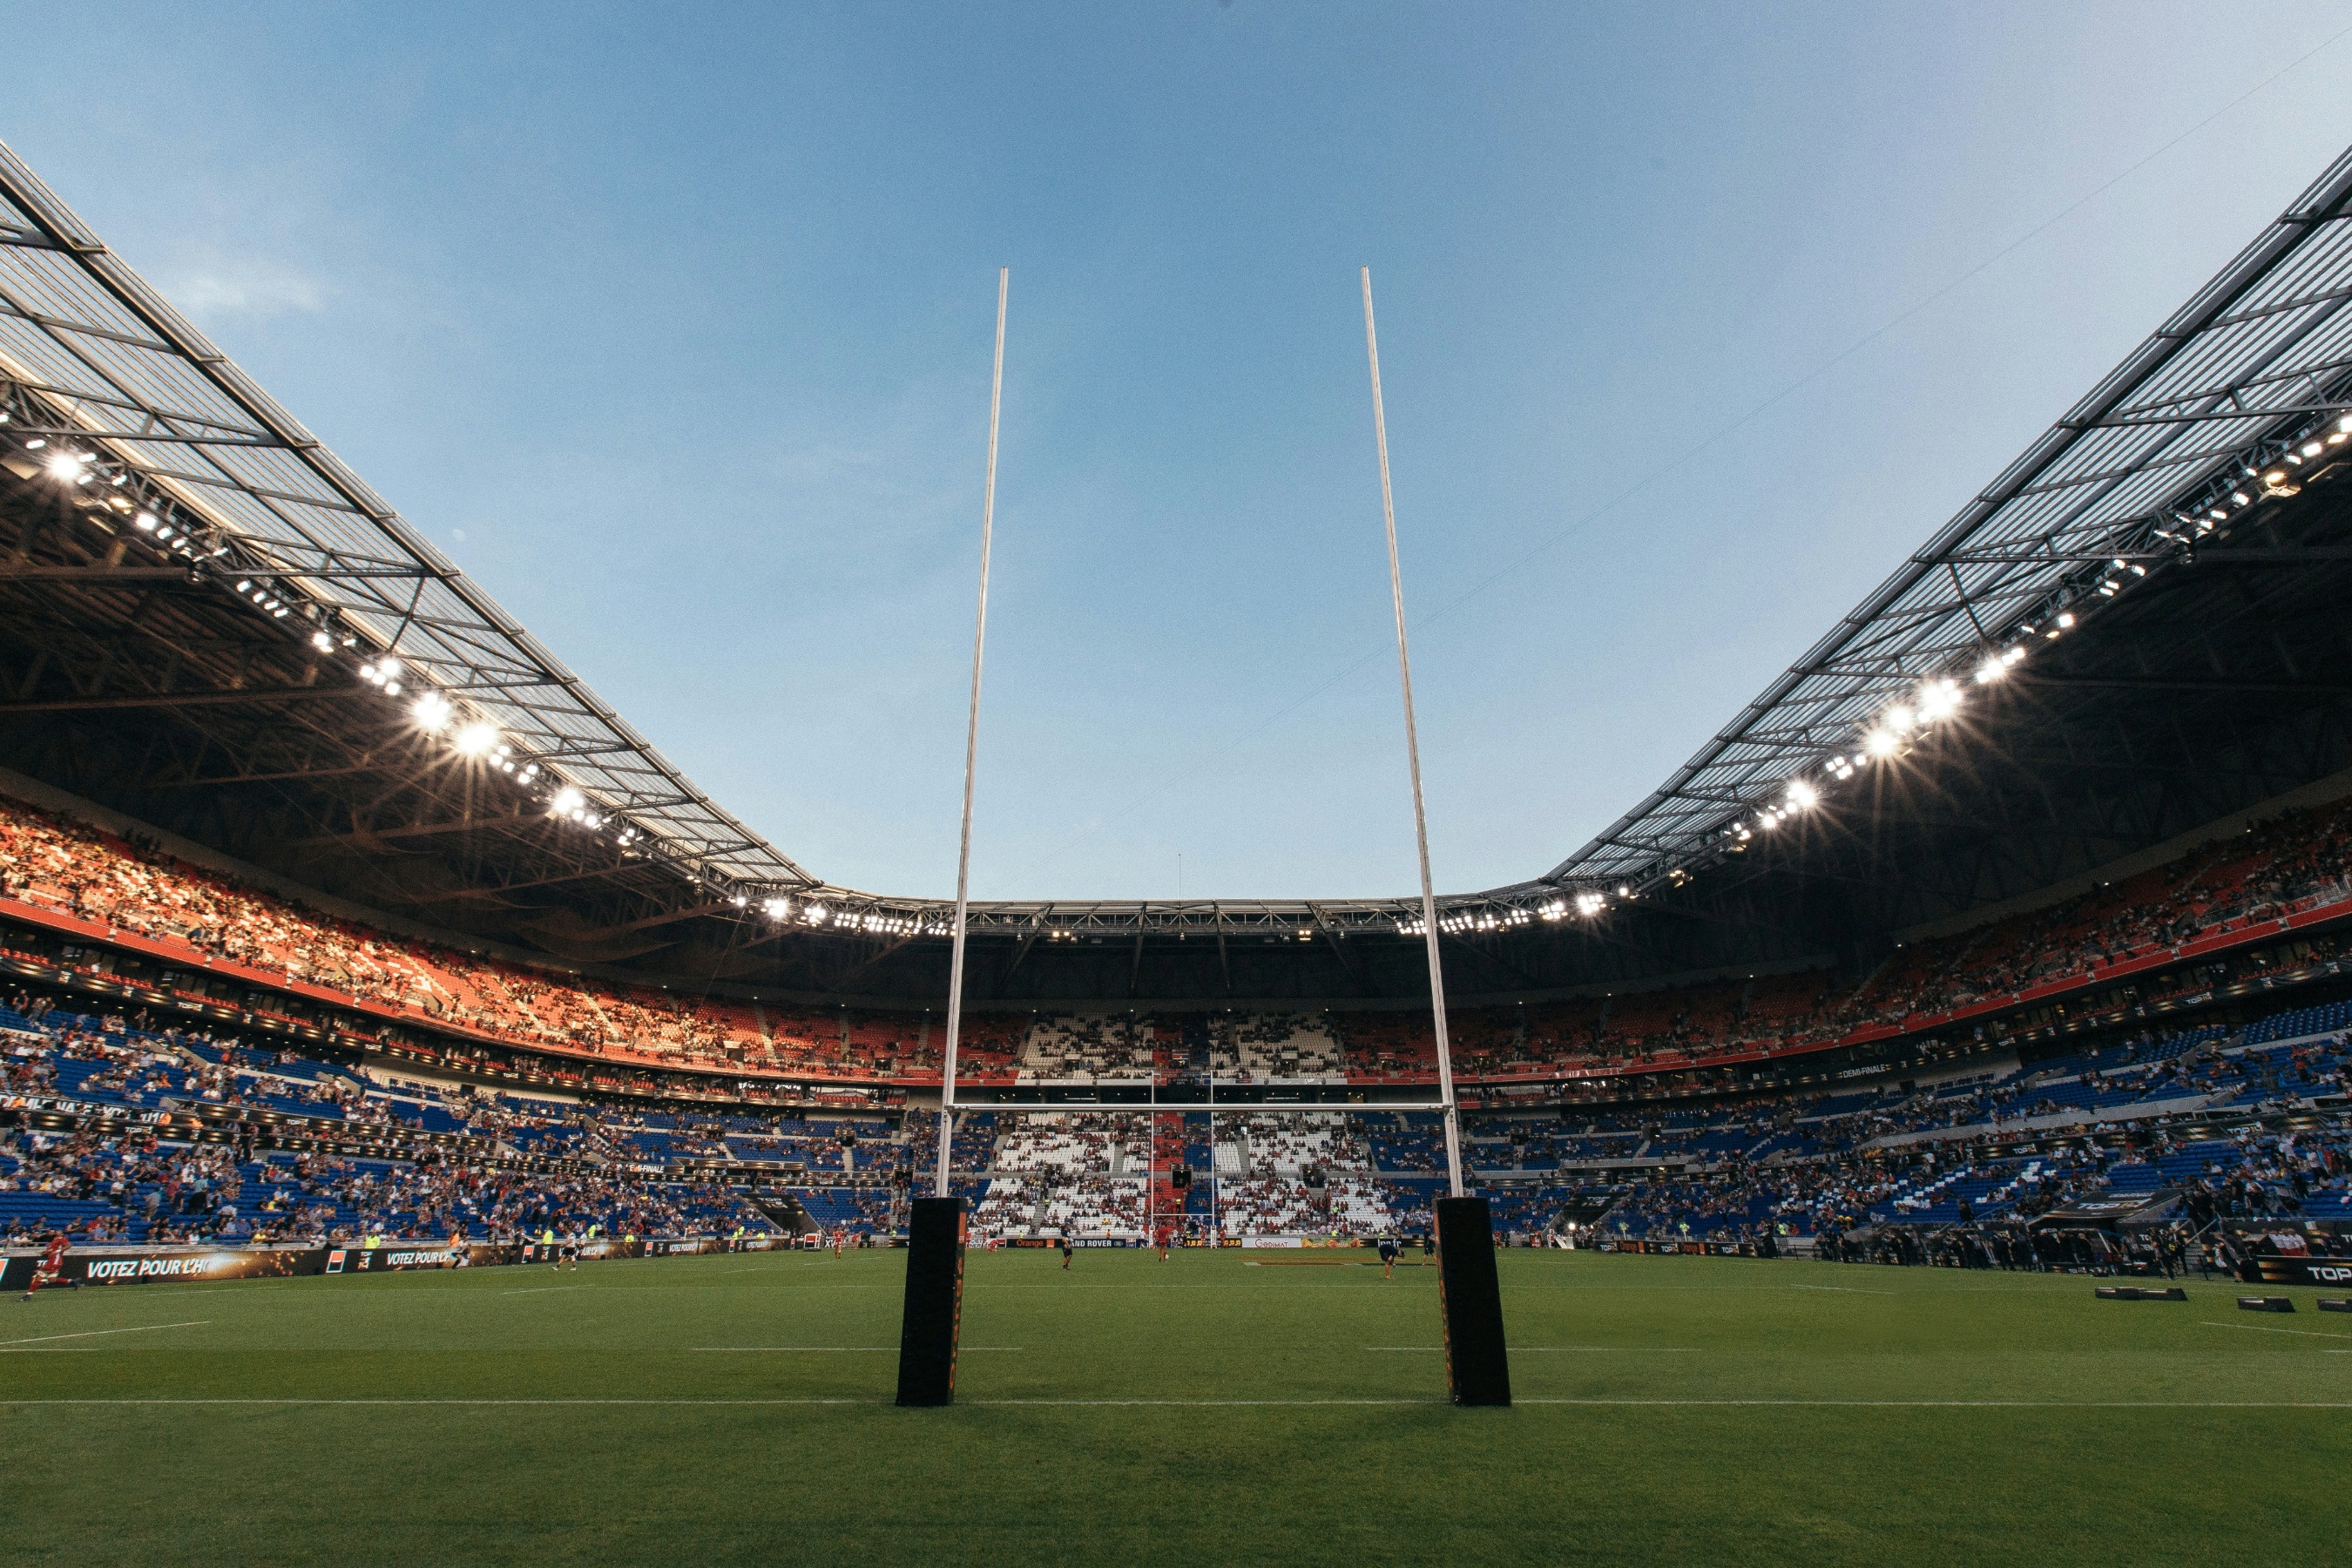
[2221,407]
[99,364]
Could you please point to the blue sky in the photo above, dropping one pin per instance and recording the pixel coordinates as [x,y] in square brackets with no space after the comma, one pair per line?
[671,326]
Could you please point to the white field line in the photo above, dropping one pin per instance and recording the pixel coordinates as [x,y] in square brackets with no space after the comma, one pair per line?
[93,1334]
[2266,1329]
[437,1402]
[1516,1350]
[1288,1404]
[763,1350]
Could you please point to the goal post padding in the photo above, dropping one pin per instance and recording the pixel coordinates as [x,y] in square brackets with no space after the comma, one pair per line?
[1470,1298]
[934,1308]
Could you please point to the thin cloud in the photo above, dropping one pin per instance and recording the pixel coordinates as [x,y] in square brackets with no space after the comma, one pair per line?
[245,288]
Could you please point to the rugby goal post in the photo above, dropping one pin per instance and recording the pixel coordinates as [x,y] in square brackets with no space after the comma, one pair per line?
[1477,1371]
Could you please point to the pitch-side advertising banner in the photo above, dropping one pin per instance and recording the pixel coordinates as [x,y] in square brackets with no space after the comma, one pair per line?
[141,1266]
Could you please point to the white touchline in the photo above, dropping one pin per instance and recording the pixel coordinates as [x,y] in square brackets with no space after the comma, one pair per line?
[2266,1329]
[765,1350]
[541,1289]
[1300,1404]
[93,1334]
[344,1402]
[1987,1404]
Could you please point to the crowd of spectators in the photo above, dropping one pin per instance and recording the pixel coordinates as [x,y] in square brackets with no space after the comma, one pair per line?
[2295,862]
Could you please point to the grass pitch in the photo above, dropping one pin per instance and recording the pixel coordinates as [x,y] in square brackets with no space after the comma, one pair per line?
[1221,1407]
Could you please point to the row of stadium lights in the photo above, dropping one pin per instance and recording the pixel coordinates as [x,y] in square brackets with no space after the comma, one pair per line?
[1939,699]
[784,911]
[480,741]
[1899,727]
[477,740]
[1894,733]
[474,739]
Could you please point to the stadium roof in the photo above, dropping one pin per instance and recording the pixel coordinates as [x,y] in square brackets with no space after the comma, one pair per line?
[257,606]
[2200,421]
[101,365]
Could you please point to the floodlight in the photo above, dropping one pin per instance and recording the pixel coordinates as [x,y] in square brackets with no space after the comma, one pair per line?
[567,799]
[1880,743]
[1938,699]
[147,522]
[432,712]
[2067,620]
[1803,796]
[1899,720]
[775,908]
[475,739]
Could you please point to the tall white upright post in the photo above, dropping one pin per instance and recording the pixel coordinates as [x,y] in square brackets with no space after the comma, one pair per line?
[971,755]
[1412,762]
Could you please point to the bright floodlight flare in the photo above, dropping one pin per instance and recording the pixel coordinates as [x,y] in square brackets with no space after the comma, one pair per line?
[1880,743]
[475,739]
[1802,797]
[1899,720]
[567,799]
[66,466]
[1588,904]
[1938,699]
[776,909]
[432,712]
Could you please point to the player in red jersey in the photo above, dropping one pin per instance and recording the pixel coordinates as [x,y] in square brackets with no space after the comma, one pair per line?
[51,1269]
[1166,1236]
